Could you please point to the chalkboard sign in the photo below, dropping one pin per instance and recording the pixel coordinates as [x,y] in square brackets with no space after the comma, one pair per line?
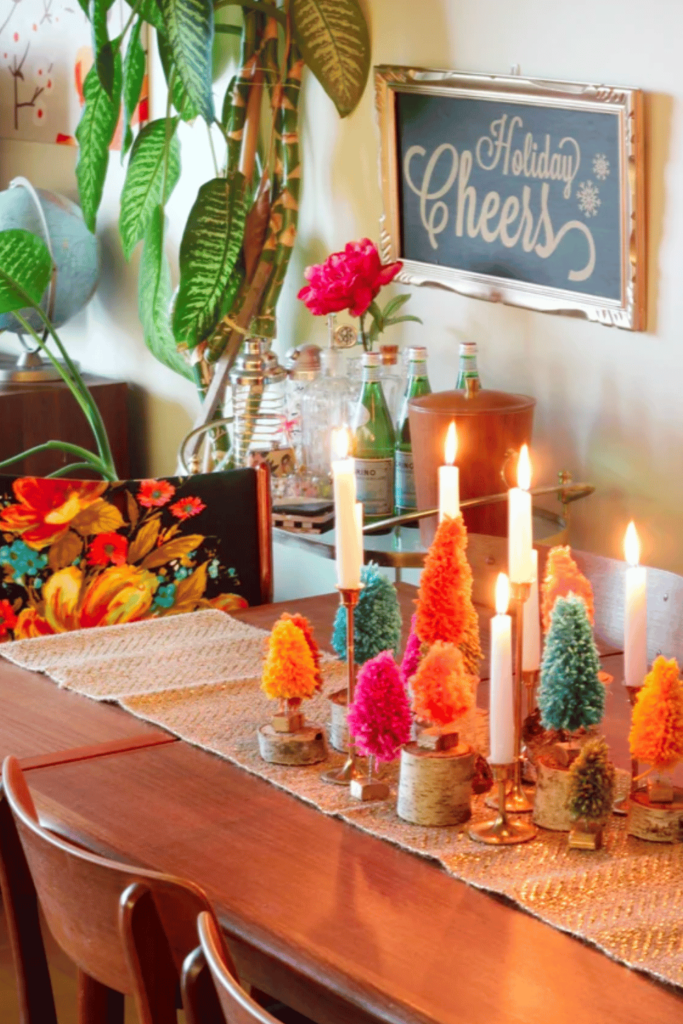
[525,192]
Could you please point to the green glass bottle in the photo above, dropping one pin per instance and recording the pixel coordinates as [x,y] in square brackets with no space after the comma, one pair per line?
[405,496]
[373,444]
[468,373]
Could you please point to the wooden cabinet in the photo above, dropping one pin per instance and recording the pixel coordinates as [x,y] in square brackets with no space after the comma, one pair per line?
[31,414]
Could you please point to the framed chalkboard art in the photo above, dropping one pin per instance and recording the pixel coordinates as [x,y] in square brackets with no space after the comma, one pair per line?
[515,190]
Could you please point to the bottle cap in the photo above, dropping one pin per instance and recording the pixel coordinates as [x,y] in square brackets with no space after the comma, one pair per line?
[372,359]
[417,354]
[468,348]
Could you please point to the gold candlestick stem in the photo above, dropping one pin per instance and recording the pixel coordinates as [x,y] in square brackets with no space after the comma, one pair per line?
[516,799]
[349,770]
[530,679]
[620,806]
[500,831]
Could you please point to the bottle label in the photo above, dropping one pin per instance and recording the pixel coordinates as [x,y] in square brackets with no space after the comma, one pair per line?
[405,495]
[375,486]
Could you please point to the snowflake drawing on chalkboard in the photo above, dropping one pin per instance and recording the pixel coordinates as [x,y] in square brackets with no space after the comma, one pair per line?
[600,166]
[588,195]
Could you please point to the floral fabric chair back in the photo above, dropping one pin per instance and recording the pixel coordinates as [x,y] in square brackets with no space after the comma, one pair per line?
[81,553]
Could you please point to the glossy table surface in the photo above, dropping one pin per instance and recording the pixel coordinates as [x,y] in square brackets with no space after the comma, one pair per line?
[337,923]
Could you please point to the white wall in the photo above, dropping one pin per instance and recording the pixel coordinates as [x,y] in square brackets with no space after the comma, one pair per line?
[609,402]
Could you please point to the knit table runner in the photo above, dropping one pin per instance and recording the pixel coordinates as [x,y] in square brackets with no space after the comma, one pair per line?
[197,675]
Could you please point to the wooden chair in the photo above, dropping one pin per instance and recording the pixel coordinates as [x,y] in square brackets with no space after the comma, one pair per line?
[200,987]
[128,930]
[132,549]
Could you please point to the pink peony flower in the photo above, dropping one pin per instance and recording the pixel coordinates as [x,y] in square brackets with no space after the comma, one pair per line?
[347,280]
[379,718]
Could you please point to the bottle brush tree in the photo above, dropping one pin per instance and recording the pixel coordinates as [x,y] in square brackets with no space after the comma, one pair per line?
[656,735]
[591,782]
[379,718]
[444,602]
[289,671]
[442,690]
[571,695]
[377,619]
[563,577]
[304,625]
[412,654]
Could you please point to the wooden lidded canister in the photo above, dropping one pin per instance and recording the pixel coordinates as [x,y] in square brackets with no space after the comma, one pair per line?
[488,424]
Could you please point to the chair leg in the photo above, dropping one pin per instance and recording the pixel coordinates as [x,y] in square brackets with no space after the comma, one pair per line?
[98,1004]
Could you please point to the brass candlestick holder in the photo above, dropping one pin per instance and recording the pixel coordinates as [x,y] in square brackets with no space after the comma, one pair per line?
[620,806]
[516,799]
[500,831]
[530,680]
[349,770]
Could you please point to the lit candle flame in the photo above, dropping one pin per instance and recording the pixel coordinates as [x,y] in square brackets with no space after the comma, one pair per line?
[632,544]
[524,469]
[340,443]
[451,446]
[502,594]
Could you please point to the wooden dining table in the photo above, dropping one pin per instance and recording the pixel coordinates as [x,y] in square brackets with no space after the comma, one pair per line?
[335,922]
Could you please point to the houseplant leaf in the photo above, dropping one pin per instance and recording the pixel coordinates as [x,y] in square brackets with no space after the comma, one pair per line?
[94,134]
[208,253]
[154,297]
[102,48]
[142,190]
[189,27]
[25,269]
[181,101]
[150,11]
[133,77]
[335,43]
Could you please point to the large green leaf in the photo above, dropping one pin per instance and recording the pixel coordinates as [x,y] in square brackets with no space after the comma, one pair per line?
[150,11]
[133,77]
[25,269]
[181,101]
[189,27]
[208,254]
[102,48]
[154,298]
[94,134]
[335,43]
[144,184]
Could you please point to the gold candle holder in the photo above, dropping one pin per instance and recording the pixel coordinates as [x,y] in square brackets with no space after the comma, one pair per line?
[349,770]
[620,806]
[530,680]
[500,831]
[516,800]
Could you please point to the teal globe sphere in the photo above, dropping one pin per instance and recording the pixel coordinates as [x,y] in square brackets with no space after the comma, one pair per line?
[75,250]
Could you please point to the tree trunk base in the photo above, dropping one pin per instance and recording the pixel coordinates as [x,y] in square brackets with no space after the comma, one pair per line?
[339,729]
[657,823]
[586,835]
[364,790]
[550,801]
[435,786]
[308,746]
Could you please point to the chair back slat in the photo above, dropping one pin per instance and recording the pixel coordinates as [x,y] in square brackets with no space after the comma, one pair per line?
[127,928]
[238,1007]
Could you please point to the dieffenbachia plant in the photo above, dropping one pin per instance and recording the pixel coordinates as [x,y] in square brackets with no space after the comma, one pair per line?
[25,272]
[241,229]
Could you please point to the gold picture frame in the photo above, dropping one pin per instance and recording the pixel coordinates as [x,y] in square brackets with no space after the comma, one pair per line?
[418,219]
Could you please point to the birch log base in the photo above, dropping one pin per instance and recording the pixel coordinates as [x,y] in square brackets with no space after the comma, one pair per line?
[658,823]
[339,730]
[307,746]
[552,792]
[435,786]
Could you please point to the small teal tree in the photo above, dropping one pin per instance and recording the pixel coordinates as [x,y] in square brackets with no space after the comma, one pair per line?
[377,620]
[571,695]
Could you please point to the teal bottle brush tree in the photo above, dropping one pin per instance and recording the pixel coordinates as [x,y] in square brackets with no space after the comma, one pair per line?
[377,619]
[25,272]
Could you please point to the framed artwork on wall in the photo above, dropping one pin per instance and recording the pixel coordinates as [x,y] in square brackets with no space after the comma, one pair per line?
[515,190]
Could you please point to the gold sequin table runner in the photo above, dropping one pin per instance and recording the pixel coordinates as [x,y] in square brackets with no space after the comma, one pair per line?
[197,675]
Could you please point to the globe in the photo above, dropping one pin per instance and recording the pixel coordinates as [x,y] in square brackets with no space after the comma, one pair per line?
[75,250]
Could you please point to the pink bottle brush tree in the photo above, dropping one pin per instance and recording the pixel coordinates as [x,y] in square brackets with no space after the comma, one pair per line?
[380,718]
[413,653]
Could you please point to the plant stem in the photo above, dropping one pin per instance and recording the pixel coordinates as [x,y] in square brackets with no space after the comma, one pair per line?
[62,446]
[270,9]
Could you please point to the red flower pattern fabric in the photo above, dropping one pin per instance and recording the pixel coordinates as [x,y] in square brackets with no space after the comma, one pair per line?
[8,619]
[46,509]
[187,507]
[155,493]
[108,549]
[347,280]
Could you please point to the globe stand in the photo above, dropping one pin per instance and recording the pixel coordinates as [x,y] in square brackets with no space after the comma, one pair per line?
[28,368]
